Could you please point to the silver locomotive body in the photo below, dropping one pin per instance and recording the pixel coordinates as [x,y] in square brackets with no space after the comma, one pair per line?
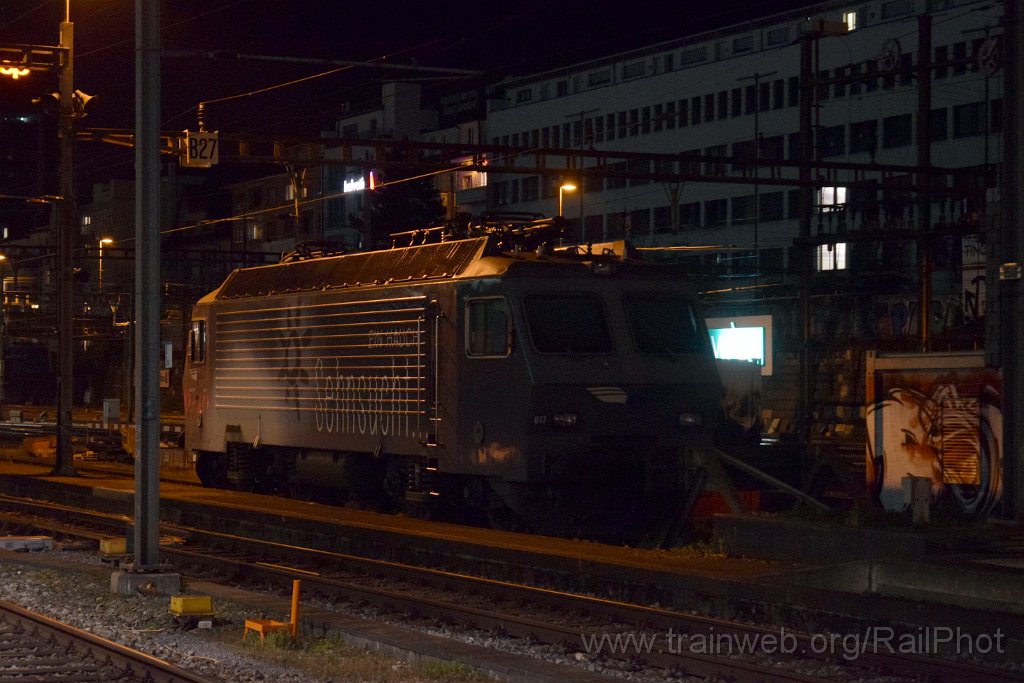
[454,371]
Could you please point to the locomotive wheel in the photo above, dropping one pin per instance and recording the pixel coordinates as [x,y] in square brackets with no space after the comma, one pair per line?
[212,469]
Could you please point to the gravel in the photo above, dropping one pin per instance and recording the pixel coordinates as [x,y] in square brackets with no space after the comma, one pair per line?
[141,622]
[74,588]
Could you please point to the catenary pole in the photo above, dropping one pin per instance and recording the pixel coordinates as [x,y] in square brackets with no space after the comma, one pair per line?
[147,284]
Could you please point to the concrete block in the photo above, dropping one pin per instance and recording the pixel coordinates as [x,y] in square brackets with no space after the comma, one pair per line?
[30,543]
[129,582]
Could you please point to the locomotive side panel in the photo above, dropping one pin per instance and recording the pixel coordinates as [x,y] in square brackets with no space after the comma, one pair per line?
[319,371]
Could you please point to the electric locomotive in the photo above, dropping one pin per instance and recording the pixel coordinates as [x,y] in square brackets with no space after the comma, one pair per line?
[483,366]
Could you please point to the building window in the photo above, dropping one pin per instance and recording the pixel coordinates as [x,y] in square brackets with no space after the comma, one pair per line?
[938,124]
[610,122]
[839,89]
[639,222]
[896,131]
[864,137]
[743,44]
[969,119]
[659,117]
[723,104]
[850,19]
[832,141]
[623,124]
[831,199]
[617,224]
[670,115]
[684,113]
[695,55]
[743,209]
[695,111]
[940,68]
[634,69]
[778,93]
[715,167]
[831,256]
[793,91]
[709,107]
[689,215]
[771,206]
[895,8]
[524,95]
[777,36]
[773,147]
[561,88]
[602,77]
[959,58]
[616,175]
[715,213]
[639,167]
[531,188]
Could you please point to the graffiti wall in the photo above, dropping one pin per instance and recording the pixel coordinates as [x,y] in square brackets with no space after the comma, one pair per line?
[937,416]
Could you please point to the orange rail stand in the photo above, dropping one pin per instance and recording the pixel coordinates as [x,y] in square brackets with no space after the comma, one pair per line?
[265,626]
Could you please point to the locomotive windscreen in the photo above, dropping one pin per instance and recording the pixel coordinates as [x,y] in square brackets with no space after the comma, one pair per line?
[568,323]
[664,324]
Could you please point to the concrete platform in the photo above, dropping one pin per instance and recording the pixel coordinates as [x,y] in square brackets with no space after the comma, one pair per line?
[978,566]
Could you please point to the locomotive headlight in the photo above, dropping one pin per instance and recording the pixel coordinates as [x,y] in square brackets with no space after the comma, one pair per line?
[689,419]
[565,419]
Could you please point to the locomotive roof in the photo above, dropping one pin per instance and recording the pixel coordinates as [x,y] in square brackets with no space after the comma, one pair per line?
[472,257]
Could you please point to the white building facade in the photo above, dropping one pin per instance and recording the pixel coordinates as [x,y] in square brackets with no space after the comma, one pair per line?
[716,94]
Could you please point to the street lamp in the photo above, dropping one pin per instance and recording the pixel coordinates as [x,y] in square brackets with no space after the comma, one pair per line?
[563,188]
[104,240]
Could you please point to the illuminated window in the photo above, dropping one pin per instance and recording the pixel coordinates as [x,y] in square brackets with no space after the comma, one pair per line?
[850,19]
[831,256]
[831,199]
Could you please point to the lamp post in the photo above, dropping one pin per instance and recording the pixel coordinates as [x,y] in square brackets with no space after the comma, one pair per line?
[562,189]
[105,240]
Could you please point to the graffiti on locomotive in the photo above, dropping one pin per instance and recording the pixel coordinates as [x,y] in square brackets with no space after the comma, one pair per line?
[372,399]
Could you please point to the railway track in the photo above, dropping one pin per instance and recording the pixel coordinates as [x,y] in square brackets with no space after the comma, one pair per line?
[636,636]
[36,648]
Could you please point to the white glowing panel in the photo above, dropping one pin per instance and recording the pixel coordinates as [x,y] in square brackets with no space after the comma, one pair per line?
[747,337]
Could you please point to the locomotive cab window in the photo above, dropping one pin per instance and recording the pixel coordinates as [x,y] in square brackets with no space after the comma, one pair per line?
[567,323]
[664,324]
[488,328]
[197,342]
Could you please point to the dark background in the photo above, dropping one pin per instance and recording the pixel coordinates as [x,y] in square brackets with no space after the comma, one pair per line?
[498,39]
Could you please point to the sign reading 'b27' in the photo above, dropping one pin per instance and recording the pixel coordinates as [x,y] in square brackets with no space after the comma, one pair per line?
[200,149]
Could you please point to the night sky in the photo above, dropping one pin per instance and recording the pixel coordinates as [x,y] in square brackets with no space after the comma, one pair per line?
[495,38]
